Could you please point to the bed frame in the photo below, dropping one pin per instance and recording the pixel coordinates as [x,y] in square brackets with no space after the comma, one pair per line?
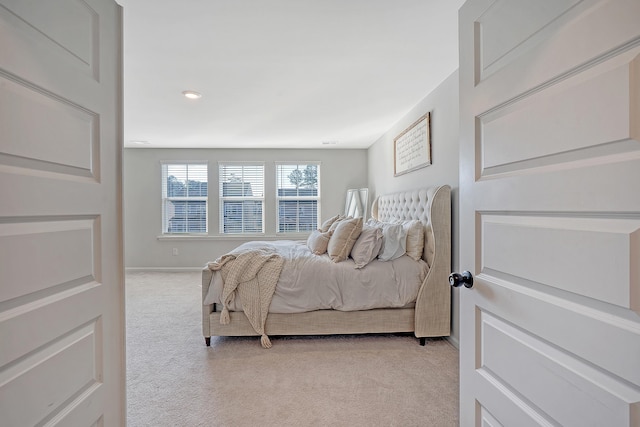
[431,316]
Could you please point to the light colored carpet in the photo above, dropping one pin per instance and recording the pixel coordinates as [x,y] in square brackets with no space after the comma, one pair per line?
[173,379]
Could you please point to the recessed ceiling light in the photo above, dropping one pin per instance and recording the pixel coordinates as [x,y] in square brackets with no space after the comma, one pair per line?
[329,142]
[192,94]
[139,142]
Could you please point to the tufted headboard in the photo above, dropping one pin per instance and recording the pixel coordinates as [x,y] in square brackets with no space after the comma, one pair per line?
[431,206]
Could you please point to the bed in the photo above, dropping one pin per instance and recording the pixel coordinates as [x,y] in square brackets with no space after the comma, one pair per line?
[427,315]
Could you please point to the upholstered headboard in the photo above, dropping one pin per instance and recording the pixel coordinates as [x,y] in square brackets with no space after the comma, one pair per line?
[431,206]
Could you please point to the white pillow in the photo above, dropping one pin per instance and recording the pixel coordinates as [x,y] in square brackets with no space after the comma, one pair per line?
[394,239]
[415,236]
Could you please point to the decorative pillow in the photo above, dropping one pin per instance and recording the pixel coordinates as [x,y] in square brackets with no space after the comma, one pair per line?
[338,221]
[343,238]
[394,239]
[367,247]
[325,225]
[415,238]
[318,241]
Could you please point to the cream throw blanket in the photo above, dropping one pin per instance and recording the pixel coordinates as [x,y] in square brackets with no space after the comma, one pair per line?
[252,273]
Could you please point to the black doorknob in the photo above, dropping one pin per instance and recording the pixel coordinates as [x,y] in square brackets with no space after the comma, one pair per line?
[457,279]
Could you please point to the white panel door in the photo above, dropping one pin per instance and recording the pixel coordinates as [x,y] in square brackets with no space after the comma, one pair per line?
[550,212]
[61,269]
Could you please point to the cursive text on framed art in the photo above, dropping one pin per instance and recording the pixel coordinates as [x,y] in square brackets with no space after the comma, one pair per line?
[412,148]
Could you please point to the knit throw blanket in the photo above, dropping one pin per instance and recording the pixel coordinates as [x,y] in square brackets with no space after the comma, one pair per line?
[253,274]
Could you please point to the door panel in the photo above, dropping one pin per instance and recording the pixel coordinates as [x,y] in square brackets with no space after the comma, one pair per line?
[592,251]
[67,368]
[550,212]
[33,29]
[523,20]
[61,271]
[594,397]
[70,129]
[562,46]
[593,107]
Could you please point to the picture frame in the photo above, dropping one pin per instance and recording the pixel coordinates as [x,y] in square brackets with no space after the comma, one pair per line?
[412,148]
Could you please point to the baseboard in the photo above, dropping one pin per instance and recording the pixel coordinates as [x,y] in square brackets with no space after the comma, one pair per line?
[163,269]
[453,341]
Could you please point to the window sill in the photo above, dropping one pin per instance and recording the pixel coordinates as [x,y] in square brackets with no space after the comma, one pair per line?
[221,237]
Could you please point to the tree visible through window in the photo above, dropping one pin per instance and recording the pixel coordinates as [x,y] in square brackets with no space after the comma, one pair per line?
[184,197]
[298,197]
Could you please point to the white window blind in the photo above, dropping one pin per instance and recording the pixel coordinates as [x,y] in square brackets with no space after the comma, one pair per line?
[241,198]
[184,197]
[298,196]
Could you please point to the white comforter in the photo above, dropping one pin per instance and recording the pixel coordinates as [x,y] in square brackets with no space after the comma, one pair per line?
[313,282]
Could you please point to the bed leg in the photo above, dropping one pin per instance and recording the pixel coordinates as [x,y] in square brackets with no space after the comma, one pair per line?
[207,341]
[423,341]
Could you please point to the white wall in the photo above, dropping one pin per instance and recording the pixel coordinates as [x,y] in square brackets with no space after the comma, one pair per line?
[340,170]
[443,104]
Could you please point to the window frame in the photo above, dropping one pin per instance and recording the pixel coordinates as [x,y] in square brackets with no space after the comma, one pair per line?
[164,165]
[222,168]
[297,198]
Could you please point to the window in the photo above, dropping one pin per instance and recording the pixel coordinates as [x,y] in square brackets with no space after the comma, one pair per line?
[184,197]
[298,196]
[241,198]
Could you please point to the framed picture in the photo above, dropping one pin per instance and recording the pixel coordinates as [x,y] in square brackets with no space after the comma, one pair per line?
[412,148]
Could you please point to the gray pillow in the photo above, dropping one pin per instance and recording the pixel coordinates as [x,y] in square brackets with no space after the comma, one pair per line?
[318,241]
[367,247]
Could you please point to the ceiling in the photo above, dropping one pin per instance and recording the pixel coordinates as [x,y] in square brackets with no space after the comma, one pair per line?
[280,73]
